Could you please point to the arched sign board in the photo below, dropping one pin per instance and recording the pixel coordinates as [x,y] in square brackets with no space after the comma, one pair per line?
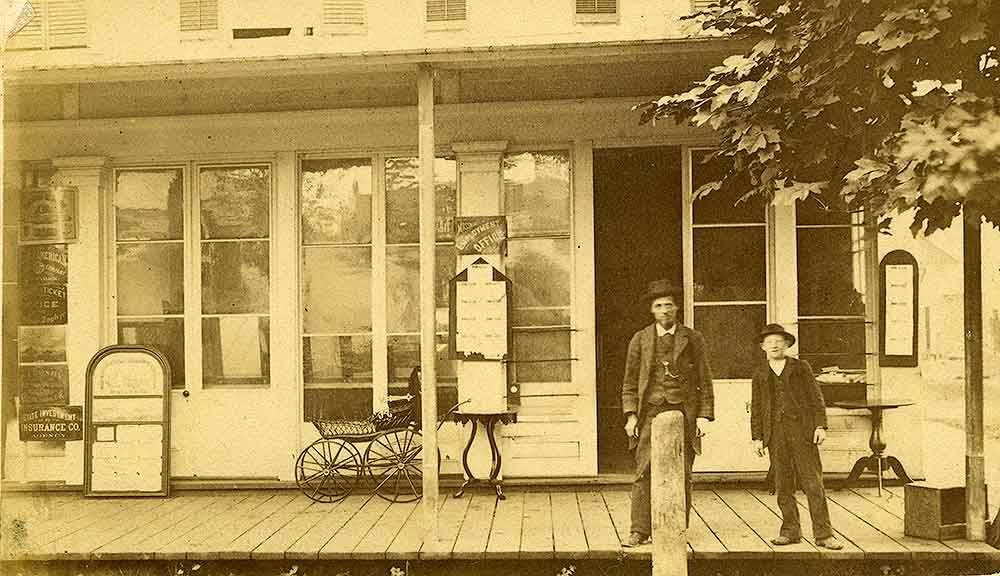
[899,283]
[127,439]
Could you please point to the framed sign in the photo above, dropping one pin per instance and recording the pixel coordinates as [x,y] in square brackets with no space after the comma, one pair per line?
[899,286]
[43,304]
[49,215]
[480,234]
[51,423]
[127,441]
[43,384]
[479,299]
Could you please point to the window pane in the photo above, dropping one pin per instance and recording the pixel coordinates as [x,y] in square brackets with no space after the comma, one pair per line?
[403,287]
[826,343]
[337,359]
[336,201]
[537,192]
[731,338]
[540,272]
[404,355]
[163,334]
[729,264]
[554,347]
[336,293]
[816,210]
[402,195]
[234,277]
[150,279]
[338,404]
[720,206]
[234,202]
[149,204]
[828,282]
[235,351]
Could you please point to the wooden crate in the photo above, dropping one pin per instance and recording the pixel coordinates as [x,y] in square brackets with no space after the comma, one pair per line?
[934,511]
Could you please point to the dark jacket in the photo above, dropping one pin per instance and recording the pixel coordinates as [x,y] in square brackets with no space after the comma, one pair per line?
[803,393]
[689,359]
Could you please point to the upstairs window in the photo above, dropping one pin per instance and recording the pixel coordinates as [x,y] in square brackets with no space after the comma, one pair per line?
[596,10]
[344,13]
[199,15]
[445,10]
[55,24]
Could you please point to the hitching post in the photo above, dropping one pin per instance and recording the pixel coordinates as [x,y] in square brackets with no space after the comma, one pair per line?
[668,495]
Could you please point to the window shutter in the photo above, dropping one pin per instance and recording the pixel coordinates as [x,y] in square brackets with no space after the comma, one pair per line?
[199,15]
[31,36]
[445,10]
[67,23]
[699,5]
[344,12]
[596,6]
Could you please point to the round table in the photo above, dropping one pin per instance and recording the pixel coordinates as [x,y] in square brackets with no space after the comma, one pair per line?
[874,461]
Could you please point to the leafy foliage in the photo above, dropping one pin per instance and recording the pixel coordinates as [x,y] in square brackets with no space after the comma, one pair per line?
[886,104]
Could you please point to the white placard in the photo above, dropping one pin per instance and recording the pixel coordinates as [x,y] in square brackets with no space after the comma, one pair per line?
[128,410]
[131,374]
[481,325]
[899,310]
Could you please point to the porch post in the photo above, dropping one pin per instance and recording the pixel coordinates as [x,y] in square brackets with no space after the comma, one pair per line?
[668,495]
[428,343]
[975,466]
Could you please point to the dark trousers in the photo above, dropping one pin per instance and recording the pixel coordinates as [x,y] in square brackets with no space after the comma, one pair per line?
[793,454]
[641,508]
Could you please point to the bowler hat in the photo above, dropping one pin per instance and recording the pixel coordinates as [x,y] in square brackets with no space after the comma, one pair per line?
[777,329]
[659,289]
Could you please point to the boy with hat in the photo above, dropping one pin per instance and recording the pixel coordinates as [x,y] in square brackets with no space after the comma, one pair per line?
[788,420]
[665,369]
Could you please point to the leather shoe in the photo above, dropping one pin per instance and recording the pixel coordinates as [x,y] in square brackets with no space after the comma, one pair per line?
[784,541]
[635,539]
[830,543]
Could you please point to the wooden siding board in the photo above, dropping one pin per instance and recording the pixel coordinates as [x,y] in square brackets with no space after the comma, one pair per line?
[475,531]
[602,538]
[536,531]
[505,538]
[702,541]
[619,505]
[567,526]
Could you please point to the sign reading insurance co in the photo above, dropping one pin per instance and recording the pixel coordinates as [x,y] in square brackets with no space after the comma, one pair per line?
[51,423]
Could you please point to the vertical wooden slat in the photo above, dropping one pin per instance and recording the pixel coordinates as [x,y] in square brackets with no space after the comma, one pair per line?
[428,322]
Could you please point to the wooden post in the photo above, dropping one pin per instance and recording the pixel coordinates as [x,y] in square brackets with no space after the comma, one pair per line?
[975,466]
[668,495]
[428,338]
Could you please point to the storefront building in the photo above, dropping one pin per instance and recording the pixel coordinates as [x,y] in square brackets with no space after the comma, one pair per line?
[247,203]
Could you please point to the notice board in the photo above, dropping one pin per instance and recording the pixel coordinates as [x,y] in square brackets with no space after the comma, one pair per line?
[127,442]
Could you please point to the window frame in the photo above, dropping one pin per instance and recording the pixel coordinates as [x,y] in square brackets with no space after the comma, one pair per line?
[45,41]
[192,242]
[596,17]
[691,305]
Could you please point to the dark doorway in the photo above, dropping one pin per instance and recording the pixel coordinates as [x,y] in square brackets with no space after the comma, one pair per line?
[638,238]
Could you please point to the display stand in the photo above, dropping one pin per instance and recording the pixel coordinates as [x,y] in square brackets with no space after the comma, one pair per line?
[127,431]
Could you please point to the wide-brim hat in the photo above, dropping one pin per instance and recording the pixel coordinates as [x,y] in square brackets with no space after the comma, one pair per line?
[659,289]
[777,329]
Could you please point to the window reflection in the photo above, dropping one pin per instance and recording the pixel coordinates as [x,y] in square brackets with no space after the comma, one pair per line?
[336,201]
[234,202]
[235,351]
[336,291]
[234,277]
[149,204]
[150,279]
[536,190]
[402,199]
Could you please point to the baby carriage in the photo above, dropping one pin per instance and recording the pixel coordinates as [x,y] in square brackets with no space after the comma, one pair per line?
[391,461]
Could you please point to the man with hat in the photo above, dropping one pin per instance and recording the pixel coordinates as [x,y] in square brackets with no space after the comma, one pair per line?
[788,420]
[665,369]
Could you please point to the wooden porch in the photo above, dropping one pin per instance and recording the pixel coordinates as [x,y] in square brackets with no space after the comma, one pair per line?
[532,524]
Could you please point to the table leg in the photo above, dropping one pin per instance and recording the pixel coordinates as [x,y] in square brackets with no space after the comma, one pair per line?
[469,478]
[856,471]
[897,467]
[497,458]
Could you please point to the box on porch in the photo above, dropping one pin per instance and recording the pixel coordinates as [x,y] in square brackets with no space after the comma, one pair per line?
[934,511]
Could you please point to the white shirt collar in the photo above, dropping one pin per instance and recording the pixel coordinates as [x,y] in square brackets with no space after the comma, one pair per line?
[777,366]
[660,330]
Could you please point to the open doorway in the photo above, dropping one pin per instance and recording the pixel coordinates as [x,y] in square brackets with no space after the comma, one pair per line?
[638,238]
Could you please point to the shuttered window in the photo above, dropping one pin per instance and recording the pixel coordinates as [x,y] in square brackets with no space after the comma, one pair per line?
[445,10]
[597,6]
[199,15]
[56,24]
[344,12]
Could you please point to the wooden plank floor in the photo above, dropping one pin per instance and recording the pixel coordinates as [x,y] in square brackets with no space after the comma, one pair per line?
[531,524]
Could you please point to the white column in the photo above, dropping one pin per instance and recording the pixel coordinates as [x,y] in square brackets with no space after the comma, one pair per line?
[87,308]
[428,327]
[284,330]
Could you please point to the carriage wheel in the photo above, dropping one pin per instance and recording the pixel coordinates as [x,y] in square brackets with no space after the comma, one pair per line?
[395,462]
[328,469]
